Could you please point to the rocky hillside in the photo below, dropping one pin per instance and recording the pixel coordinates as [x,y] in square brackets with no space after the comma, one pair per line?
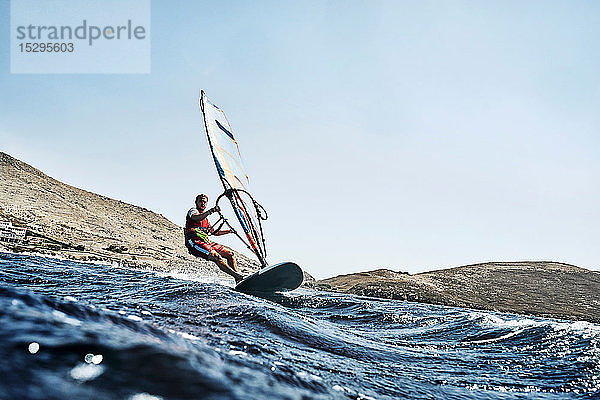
[66,221]
[540,288]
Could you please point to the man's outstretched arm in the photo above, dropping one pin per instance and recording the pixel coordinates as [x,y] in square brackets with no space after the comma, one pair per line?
[201,216]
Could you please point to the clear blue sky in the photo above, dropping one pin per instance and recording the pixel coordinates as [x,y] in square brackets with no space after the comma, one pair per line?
[407,135]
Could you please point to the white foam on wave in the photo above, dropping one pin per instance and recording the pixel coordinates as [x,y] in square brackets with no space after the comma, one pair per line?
[497,339]
[510,321]
[62,317]
[558,334]
[587,329]
[86,372]
[145,396]
[308,376]
[188,336]
[193,277]
[61,258]
[352,393]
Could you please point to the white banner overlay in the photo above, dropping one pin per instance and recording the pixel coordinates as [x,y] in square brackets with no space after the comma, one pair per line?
[80,36]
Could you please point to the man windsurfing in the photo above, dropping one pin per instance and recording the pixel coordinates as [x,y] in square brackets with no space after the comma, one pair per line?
[197,230]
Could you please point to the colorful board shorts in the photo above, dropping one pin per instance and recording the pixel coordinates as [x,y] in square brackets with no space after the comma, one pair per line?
[198,248]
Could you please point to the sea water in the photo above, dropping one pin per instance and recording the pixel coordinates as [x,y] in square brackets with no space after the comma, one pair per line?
[73,330]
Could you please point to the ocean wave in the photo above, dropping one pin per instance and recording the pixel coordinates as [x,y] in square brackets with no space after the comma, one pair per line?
[73,330]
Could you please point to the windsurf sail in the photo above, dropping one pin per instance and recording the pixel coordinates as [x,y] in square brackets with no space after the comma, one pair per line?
[232,173]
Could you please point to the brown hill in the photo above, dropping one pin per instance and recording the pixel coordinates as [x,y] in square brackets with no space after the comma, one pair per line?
[66,221]
[540,288]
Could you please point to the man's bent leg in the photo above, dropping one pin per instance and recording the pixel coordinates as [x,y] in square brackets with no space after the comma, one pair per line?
[214,257]
[204,250]
[227,253]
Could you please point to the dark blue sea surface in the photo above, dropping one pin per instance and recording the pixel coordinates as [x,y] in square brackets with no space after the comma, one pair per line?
[72,330]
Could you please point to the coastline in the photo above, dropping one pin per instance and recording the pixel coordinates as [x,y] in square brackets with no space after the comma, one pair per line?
[539,288]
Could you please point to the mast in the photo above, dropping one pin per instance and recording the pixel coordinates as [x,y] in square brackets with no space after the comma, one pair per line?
[227,164]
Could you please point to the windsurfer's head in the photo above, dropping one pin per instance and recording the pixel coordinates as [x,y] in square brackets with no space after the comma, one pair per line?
[201,201]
